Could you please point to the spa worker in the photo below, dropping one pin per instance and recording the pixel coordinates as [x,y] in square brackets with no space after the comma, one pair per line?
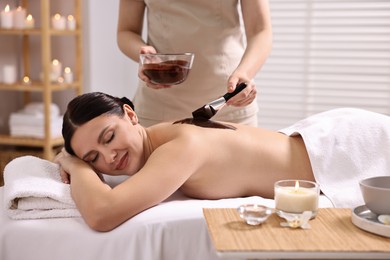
[213,32]
[210,160]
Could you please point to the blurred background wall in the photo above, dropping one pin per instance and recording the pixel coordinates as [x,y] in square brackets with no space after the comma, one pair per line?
[326,54]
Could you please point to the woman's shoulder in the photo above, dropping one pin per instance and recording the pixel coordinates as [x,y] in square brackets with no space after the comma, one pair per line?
[195,132]
[168,131]
[169,128]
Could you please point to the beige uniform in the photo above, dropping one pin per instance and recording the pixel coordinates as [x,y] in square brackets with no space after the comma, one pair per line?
[209,28]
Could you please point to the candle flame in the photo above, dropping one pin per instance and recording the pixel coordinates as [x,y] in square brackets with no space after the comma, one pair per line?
[70,17]
[26,79]
[6,9]
[55,62]
[29,17]
[67,70]
[57,16]
[296,185]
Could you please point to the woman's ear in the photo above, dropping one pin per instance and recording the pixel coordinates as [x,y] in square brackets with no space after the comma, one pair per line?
[131,114]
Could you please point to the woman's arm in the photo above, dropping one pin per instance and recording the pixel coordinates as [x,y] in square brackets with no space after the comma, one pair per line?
[165,172]
[85,184]
[258,29]
[130,25]
[129,34]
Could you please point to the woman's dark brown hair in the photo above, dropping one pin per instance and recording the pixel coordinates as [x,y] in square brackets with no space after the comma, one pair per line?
[86,107]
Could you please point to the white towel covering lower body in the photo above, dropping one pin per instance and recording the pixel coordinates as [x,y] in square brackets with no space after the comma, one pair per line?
[33,189]
[345,146]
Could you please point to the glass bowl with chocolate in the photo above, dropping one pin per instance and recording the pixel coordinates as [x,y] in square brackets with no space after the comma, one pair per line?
[166,69]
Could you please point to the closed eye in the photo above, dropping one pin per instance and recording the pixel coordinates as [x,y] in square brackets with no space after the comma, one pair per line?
[111,137]
[92,158]
[96,155]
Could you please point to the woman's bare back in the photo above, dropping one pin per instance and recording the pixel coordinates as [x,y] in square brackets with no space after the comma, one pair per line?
[237,160]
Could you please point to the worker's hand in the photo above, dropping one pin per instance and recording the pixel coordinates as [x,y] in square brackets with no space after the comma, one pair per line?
[142,76]
[246,96]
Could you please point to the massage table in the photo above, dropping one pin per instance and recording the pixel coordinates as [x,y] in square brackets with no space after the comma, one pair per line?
[174,229]
[344,145]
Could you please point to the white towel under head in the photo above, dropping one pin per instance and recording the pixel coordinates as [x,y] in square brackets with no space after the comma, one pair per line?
[33,189]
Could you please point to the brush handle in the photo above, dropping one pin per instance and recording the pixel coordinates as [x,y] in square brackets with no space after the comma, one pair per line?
[238,89]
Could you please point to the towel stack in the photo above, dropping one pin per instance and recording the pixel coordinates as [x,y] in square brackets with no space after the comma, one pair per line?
[30,121]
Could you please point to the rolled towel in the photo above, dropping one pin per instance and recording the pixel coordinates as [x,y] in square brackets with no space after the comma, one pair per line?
[33,189]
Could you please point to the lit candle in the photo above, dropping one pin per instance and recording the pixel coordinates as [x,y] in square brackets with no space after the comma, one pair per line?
[26,80]
[296,196]
[56,70]
[19,18]
[71,23]
[30,23]
[68,75]
[6,18]
[60,80]
[58,22]
[9,74]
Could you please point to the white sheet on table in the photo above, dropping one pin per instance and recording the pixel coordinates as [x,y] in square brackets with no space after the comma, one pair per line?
[175,229]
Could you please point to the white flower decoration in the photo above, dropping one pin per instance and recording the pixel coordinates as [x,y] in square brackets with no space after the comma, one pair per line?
[296,220]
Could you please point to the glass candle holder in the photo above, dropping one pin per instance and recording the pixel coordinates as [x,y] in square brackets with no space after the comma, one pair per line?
[254,214]
[296,196]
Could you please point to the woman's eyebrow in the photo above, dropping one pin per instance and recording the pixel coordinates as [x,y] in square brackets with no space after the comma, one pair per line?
[100,140]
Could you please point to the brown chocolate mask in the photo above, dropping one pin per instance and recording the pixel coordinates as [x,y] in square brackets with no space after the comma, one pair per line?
[204,123]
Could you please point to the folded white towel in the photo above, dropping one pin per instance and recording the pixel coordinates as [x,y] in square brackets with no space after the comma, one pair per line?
[345,146]
[24,124]
[38,108]
[34,131]
[33,189]
[20,118]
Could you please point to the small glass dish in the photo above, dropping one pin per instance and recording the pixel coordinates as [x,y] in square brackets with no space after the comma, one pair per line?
[254,214]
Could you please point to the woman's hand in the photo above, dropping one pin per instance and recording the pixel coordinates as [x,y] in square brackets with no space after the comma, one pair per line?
[142,76]
[246,96]
[68,165]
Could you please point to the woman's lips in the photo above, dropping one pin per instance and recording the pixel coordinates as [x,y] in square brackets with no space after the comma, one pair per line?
[123,162]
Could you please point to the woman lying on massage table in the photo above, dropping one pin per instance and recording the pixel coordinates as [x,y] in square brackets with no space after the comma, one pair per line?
[204,159]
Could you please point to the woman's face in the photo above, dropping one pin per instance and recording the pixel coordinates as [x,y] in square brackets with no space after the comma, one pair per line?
[110,144]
